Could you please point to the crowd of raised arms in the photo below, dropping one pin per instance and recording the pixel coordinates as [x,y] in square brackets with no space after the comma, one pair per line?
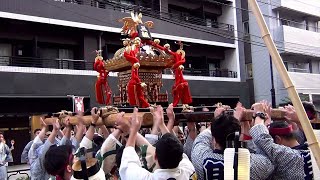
[278,149]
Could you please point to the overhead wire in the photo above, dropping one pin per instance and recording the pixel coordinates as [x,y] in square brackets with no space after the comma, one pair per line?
[304,45]
[297,50]
[265,15]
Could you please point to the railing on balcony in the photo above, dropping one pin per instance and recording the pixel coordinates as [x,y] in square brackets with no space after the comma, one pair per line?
[44,63]
[304,26]
[124,7]
[180,17]
[85,65]
[210,73]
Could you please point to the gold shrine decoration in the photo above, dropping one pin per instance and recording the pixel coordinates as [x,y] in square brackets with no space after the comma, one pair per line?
[277,60]
[130,24]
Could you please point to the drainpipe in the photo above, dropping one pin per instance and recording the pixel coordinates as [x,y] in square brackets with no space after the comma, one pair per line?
[99,39]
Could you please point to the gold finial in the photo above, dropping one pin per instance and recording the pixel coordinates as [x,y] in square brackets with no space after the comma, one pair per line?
[98,52]
[180,44]
[99,56]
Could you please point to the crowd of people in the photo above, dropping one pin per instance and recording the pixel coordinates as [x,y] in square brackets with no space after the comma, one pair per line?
[278,149]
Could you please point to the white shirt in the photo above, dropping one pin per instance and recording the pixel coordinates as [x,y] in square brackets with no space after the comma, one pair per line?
[131,168]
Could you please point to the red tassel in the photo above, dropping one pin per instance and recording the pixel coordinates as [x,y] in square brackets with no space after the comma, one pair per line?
[180,89]
[101,85]
[135,91]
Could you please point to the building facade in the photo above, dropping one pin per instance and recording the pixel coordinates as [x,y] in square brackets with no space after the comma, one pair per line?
[294,26]
[47,50]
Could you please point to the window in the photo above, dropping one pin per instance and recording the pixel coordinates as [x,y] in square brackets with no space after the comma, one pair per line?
[316,100]
[302,67]
[249,71]
[246,29]
[304,97]
[208,23]
[127,5]
[66,57]
[5,53]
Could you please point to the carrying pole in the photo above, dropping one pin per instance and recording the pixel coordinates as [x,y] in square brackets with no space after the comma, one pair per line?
[277,60]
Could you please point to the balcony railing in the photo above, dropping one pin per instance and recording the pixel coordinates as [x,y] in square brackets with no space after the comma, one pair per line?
[177,18]
[210,73]
[44,63]
[85,65]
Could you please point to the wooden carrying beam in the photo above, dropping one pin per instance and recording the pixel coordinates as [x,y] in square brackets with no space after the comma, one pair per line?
[109,120]
[277,60]
[147,117]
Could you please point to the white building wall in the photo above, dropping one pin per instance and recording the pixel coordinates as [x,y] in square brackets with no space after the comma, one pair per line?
[260,59]
[230,61]
[260,55]
[306,6]
[227,16]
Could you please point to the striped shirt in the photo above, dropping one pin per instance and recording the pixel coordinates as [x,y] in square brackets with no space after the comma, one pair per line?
[291,163]
[209,163]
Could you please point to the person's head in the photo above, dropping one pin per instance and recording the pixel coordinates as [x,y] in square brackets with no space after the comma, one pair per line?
[169,151]
[58,161]
[223,128]
[282,133]
[2,137]
[310,110]
[36,132]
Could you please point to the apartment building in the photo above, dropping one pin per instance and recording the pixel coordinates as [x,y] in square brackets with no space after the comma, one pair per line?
[47,50]
[294,26]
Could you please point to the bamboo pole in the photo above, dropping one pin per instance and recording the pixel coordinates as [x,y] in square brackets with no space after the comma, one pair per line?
[277,60]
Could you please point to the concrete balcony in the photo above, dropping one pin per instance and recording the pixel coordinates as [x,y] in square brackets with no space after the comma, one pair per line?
[297,41]
[306,83]
[310,7]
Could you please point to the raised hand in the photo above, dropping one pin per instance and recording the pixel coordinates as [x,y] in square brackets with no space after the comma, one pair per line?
[239,111]
[66,121]
[122,124]
[267,107]
[218,111]
[258,107]
[42,123]
[170,112]
[95,115]
[135,122]
[56,125]
[291,114]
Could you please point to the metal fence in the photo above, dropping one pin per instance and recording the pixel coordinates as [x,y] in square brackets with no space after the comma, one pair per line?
[207,72]
[85,65]
[44,63]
